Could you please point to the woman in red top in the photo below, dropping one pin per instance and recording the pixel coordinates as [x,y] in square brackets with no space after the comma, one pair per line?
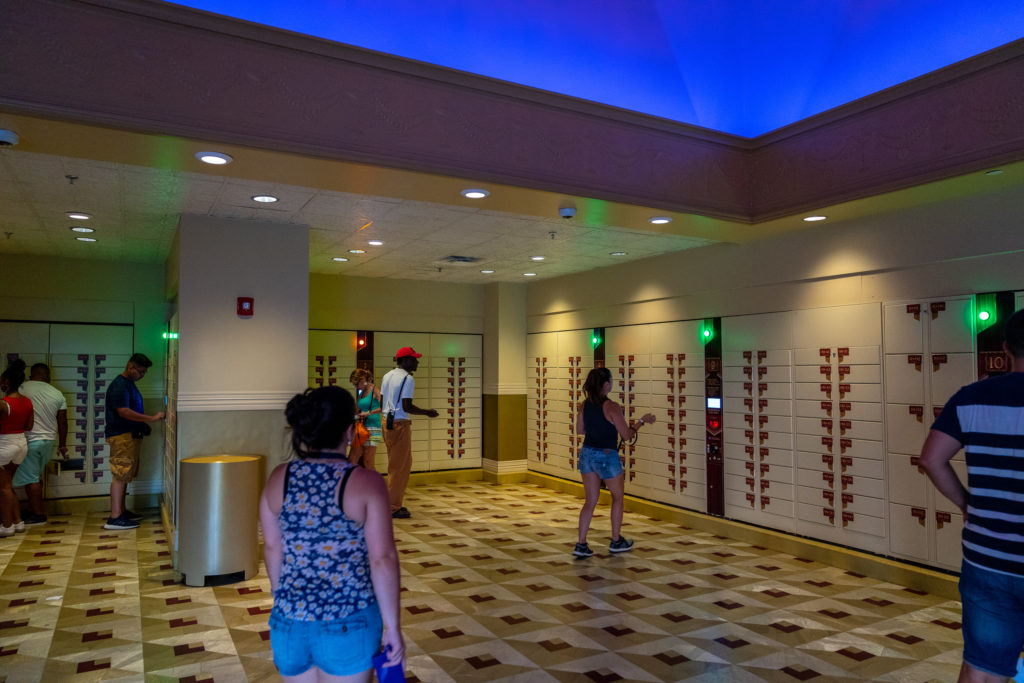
[16,417]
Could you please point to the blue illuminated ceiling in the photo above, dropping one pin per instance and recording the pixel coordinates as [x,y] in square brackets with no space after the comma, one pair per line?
[742,67]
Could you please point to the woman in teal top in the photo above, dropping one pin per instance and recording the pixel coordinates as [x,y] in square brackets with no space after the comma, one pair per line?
[368,410]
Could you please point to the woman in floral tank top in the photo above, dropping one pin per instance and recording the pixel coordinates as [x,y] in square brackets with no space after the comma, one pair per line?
[329,550]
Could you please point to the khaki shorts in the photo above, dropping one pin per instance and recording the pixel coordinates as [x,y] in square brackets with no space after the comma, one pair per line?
[124,457]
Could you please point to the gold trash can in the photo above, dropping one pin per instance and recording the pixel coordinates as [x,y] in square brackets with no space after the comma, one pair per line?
[217,518]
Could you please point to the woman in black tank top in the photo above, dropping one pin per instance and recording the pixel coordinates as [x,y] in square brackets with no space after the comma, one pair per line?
[602,423]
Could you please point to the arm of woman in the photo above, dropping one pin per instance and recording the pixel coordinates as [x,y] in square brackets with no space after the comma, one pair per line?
[384,570]
[614,414]
[270,507]
[380,403]
[580,427]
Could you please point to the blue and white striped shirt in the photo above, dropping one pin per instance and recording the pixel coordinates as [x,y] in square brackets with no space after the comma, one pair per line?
[987,417]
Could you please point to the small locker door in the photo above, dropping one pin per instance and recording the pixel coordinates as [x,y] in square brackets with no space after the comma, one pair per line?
[904,327]
[951,325]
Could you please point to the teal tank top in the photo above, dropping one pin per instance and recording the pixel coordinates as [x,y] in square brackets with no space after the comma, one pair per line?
[363,404]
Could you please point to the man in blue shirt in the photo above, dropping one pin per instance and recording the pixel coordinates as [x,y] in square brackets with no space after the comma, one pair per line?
[126,424]
[987,419]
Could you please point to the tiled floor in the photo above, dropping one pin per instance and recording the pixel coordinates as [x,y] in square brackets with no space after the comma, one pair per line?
[491,593]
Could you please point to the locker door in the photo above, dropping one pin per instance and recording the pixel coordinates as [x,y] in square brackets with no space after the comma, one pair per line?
[951,325]
[908,532]
[904,378]
[904,327]
[906,427]
[949,372]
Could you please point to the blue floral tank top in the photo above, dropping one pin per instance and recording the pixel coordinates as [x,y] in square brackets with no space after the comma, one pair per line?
[325,573]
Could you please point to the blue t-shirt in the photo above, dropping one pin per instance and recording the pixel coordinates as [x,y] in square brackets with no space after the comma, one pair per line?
[987,417]
[122,394]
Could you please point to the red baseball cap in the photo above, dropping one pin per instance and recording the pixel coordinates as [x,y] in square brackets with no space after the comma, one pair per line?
[407,351]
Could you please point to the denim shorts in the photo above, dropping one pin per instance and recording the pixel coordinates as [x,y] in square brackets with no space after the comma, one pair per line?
[604,461]
[339,648]
[993,619]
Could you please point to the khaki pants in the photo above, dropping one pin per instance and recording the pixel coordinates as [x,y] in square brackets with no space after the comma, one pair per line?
[399,443]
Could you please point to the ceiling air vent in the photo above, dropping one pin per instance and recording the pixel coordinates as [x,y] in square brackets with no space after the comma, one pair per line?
[459,260]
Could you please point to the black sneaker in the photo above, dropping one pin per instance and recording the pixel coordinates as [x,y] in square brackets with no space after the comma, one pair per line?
[33,520]
[623,545]
[120,523]
[134,516]
[582,550]
[401,513]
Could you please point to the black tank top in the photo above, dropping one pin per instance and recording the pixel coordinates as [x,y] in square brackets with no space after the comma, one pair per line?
[600,433]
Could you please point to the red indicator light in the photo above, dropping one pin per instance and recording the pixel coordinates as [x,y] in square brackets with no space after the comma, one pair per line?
[714,424]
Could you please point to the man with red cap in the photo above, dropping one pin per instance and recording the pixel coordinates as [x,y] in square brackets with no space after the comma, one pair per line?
[396,392]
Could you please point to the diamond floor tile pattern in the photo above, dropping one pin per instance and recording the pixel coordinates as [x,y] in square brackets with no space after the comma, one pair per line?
[491,592]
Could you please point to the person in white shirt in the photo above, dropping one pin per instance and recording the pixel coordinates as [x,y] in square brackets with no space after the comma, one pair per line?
[51,423]
[396,392]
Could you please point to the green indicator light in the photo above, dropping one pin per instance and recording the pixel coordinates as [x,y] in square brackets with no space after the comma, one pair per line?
[707,333]
[170,335]
[984,315]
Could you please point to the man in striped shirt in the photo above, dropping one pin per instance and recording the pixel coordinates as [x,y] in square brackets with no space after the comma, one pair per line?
[987,419]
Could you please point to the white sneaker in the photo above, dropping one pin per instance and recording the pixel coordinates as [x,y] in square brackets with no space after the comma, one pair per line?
[19,527]
[6,530]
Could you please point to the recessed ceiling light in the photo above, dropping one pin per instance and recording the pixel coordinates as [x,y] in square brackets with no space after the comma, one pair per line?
[78,215]
[215,158]
[617,253]
[86,239]
[80,228]
[264,198]
[659,220]
[529,274]
[486,272]
[536,258]
[375,243]
[995,171]
[340,259]
[357,251]
[475,193]
[814,219]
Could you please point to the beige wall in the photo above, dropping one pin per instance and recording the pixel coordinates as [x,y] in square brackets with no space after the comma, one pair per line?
[90,291]
[937,254]
[355,303]
[222,356]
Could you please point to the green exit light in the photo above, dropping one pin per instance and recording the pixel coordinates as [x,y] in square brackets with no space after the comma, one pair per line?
[170,335]
[707,333]
[595,341]
[984,315]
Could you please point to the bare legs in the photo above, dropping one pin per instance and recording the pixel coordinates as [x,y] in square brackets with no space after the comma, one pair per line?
[9,512]
[34,491]
[968,674]
[315,675]
[592,491]
[117,489]
[616,488]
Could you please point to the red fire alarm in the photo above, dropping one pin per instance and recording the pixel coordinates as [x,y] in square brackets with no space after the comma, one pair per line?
[245,306]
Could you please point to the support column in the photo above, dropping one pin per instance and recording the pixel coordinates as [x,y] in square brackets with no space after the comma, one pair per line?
[234,373]
[504,389]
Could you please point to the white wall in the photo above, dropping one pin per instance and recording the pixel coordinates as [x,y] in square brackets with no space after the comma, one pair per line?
[222,356]
[356,303]
[934,253]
